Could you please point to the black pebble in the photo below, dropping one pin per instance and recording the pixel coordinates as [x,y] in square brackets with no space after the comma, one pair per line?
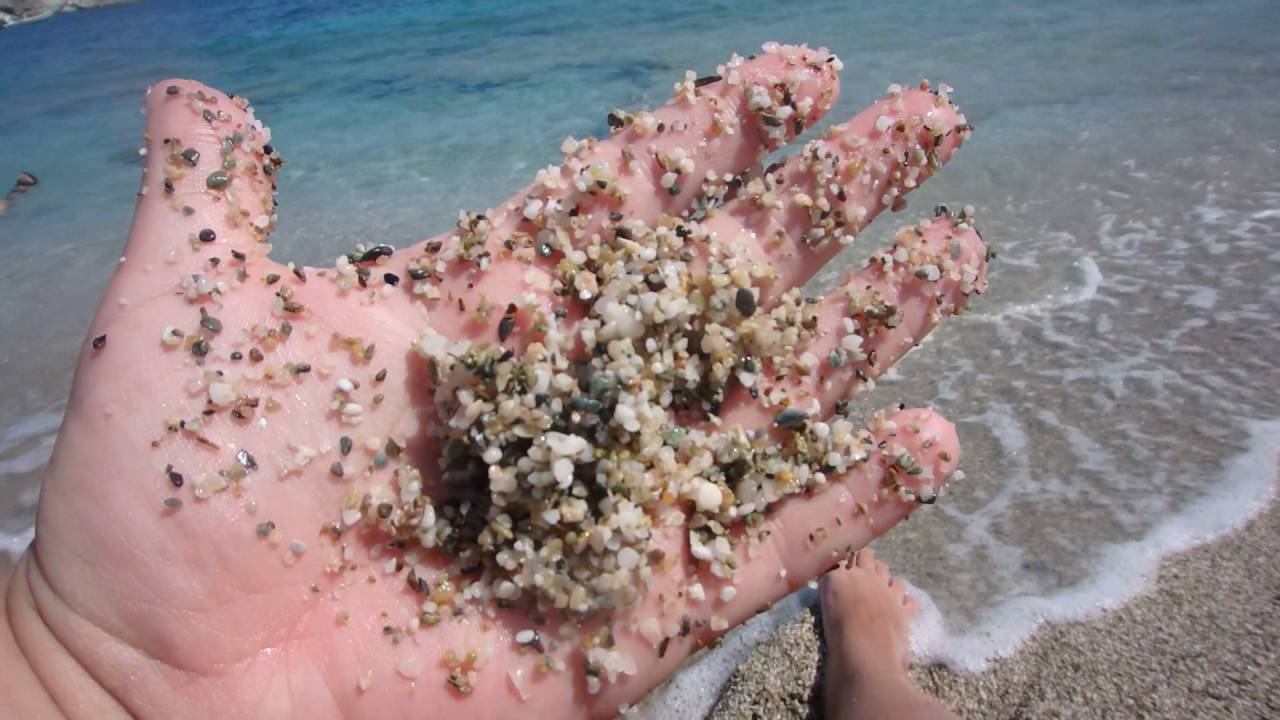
[791,419]
[745,301]
[505,326]
[207,235]
[376,252]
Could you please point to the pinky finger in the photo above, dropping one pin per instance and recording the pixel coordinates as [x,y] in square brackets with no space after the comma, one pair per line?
[915,452]
[688,606]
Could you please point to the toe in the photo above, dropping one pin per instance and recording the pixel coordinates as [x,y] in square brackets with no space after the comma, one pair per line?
[865,558]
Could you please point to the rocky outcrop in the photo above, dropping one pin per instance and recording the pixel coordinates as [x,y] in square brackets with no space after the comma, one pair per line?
[13,12]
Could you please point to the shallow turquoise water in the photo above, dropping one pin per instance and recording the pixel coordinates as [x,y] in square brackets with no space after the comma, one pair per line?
[1124,163]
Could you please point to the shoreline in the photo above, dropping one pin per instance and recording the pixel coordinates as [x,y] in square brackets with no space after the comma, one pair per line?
[1203,642]
[22,12]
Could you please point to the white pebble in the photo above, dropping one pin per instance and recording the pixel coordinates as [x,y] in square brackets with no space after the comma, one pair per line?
[516,676]
[650,631]
[628,558]
[408,667]
[696,592]
[625,416]
[209,485]
[565,445]
[563,471]
[532,209]
[709,497]
[221,394]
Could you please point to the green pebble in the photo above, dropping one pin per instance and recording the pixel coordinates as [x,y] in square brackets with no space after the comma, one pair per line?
[218,180]
[586,404]
[601,385]
[673,436]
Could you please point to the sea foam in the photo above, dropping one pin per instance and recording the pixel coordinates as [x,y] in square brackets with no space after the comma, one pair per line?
[1122,571]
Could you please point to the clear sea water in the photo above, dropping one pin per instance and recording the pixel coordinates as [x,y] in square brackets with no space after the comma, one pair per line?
[1118,391]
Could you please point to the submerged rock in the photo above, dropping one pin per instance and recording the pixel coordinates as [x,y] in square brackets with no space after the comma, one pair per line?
[15,12]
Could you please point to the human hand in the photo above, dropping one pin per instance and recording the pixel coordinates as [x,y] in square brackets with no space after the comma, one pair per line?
[247,592]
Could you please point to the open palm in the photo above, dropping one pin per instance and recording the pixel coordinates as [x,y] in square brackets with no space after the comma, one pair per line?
[193,554]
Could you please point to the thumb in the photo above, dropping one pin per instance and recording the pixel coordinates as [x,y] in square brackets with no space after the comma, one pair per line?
[206,204]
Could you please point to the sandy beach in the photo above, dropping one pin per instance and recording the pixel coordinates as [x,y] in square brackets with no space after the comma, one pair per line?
[1203,643]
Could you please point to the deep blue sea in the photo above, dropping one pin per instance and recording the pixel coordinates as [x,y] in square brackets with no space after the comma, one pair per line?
[1118,391]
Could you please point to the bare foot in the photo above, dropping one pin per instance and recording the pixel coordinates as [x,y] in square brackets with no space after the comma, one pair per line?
[866,615]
